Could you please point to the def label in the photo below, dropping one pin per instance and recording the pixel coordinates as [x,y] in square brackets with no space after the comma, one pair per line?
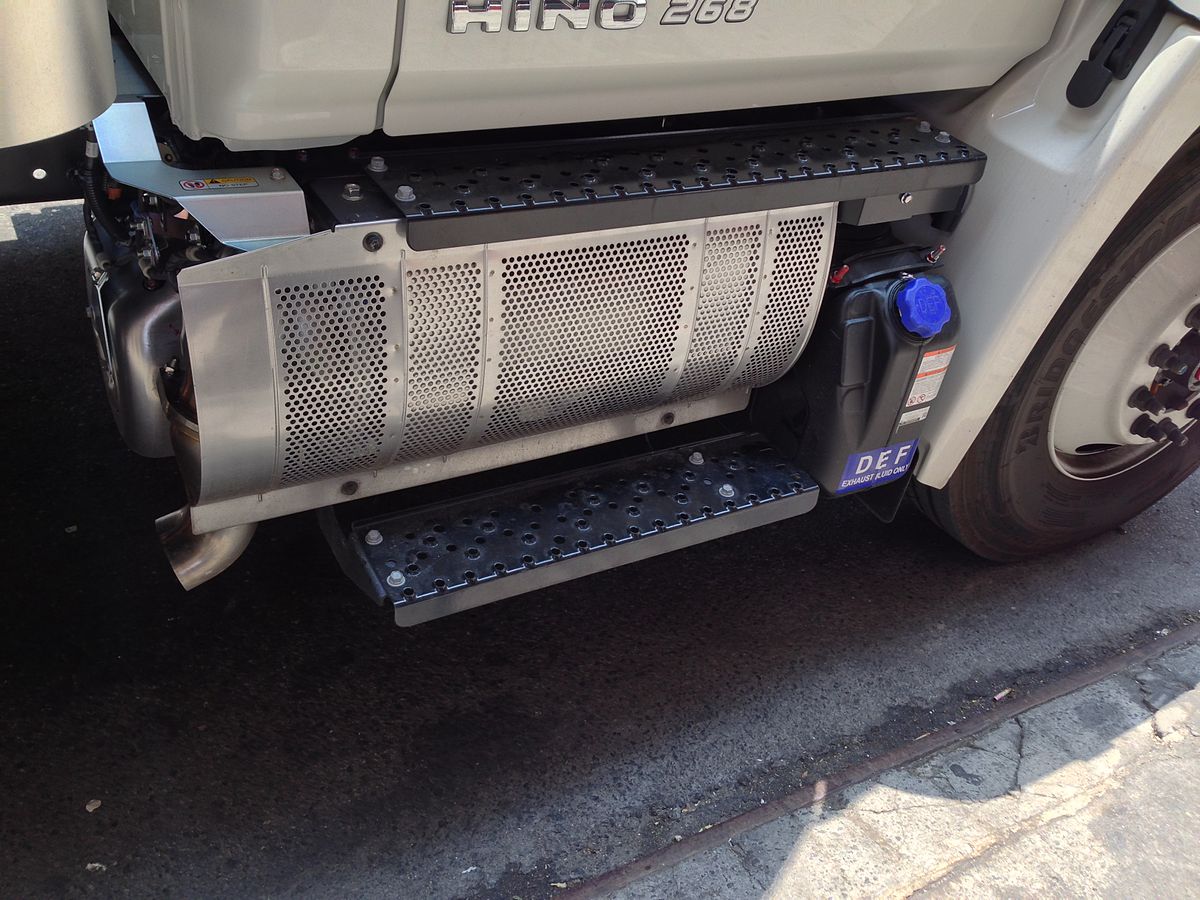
[877,467]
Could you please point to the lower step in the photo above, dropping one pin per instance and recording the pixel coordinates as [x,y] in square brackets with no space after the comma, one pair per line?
[437,560]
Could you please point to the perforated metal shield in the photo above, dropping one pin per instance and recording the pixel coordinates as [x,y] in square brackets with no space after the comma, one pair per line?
[582,327]
[403,360]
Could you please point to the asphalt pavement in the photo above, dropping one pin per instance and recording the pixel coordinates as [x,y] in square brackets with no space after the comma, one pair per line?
[273,733]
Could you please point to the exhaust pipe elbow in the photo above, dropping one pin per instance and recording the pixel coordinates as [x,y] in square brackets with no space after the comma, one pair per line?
[197,558]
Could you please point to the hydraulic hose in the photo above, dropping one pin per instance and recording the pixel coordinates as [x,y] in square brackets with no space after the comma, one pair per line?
[93,190]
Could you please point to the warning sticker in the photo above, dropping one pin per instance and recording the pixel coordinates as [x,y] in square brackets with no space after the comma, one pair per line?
[914,415]
[930,375]
[876,467]
[219,184]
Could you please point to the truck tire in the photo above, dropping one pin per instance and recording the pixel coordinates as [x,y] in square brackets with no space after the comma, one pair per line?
[1018,492]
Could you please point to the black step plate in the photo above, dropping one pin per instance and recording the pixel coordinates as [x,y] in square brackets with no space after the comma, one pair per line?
[434,561]
[528,191]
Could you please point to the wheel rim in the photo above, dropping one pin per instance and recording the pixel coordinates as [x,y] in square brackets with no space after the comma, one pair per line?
[1090,425]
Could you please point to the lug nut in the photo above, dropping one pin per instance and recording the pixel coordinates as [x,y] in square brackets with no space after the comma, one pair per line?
[1173,432]
[1145,401]
[1165,358]
[1144,426]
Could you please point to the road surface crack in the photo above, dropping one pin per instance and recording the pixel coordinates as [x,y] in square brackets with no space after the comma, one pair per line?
[746,859]
[1015,787]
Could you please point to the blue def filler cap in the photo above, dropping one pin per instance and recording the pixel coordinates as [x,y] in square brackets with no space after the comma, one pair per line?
[923,307]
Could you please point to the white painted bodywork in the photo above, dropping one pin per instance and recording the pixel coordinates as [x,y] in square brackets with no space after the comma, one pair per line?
[1058,181]
[306,73]
[56,69]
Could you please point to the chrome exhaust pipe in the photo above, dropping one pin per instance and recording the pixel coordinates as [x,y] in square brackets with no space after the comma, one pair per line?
[197,558]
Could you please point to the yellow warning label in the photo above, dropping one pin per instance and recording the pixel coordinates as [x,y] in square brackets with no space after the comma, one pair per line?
[217,184]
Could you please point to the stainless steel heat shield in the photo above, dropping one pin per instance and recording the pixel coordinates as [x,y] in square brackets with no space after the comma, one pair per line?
[323,370]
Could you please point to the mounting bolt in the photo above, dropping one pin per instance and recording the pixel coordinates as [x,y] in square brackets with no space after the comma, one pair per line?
[906,198]
[942,137]
[697,458]
[373,538]
[405,194]
[726,491]
[924,127]
[277,174]
[377,164]
[396,578]
[352,191]
[372,241]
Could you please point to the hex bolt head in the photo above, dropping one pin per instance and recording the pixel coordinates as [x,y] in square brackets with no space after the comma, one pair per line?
[373,242]
[924,127]
[405,194]
[697,458]
[352,191]
[396,578]
[726,491]
[942,137]
[277,174]
[377,164]
[373,538]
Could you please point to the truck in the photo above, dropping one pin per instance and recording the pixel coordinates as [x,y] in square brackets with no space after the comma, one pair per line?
[512,291]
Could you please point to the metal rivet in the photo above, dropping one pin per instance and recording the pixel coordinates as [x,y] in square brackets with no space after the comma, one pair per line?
[350,488]
[668,419]
[373,538]
[396,579]
[405,193]
[373,242]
